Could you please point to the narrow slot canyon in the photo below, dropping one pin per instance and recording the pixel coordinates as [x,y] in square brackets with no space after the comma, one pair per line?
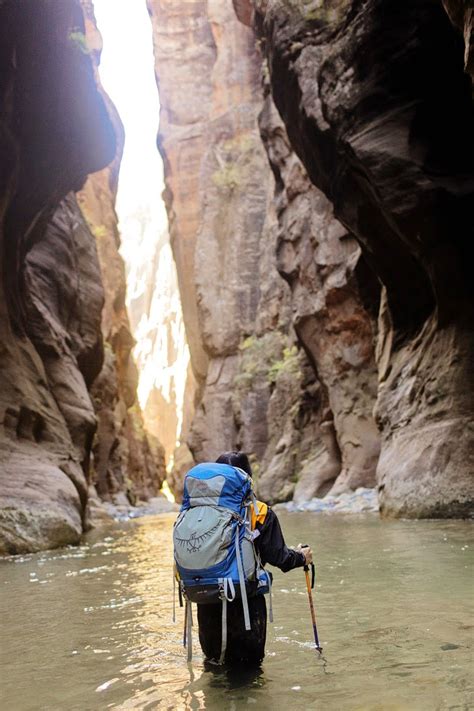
[305,304]
[236,225]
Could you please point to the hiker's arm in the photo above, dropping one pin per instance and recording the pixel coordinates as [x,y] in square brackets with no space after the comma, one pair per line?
[272,548]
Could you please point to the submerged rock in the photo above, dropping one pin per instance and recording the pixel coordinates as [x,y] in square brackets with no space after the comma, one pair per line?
[153,507]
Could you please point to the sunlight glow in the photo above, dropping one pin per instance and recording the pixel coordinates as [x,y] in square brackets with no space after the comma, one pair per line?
[127,72]
[165,489]
[161,353]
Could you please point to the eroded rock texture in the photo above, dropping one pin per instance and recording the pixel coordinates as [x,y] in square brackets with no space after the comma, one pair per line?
[292,409]
[322,263]
[381,118]
[215,195]
[54,130]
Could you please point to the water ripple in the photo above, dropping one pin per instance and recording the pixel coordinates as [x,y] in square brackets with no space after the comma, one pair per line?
[393,602]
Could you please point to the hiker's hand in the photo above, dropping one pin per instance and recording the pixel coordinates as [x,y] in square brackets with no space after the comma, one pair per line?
[307,552]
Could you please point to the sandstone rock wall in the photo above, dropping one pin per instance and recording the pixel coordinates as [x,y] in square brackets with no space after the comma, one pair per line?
[321,262]
[161,353]
[55,129]
[216,193]
[292,409]
[382,121]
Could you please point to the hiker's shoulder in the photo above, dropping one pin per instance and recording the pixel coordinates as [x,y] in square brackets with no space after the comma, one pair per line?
[258,519]
[266,518]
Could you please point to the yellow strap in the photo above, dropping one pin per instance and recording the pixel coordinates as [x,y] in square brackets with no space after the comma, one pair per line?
[262,512]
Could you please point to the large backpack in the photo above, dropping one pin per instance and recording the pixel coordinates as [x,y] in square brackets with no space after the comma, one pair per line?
[215,557]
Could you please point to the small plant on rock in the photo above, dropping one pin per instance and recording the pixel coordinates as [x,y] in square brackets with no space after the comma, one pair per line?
[78,39]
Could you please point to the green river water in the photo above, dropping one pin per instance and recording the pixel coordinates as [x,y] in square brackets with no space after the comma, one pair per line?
[91,627]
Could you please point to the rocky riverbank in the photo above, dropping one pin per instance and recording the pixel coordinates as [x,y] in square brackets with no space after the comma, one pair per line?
[104,512]
[362,500]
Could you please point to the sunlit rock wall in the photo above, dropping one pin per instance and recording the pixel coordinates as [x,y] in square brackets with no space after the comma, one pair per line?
[257,389]
[211,151]
[161,350]
[54,130]
[378,107]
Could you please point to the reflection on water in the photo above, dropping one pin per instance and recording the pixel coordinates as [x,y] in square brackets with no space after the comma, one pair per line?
[91,627]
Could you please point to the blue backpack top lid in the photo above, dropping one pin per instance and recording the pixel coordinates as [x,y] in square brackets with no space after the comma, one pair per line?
[212,484]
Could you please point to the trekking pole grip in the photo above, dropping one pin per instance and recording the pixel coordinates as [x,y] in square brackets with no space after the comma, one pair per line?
[306,566]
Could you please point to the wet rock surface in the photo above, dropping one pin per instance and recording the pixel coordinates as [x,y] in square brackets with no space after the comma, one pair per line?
[102,513]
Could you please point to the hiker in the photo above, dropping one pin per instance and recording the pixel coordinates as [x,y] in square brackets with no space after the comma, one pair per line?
[235,644]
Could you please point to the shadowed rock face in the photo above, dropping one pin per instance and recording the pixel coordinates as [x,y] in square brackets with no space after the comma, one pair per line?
[54,130]
[319,259]
[461,14]
[382,120]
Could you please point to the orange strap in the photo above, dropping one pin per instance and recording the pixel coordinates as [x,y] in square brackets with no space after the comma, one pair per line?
[262,512]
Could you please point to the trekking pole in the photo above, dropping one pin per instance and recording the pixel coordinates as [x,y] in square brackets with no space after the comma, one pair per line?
[309,587]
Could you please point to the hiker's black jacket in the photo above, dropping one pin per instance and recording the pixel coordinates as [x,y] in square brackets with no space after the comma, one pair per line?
[272,548]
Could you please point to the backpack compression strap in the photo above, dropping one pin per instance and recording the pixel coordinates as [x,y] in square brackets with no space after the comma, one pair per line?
[243,589]
[228,595]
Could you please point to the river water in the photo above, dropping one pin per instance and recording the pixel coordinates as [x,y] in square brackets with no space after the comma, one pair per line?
[91,627]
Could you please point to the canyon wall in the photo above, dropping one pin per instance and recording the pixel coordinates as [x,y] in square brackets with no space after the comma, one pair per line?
[55,129]
[276,365]
[329,142]
[381,118]
[334,302]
